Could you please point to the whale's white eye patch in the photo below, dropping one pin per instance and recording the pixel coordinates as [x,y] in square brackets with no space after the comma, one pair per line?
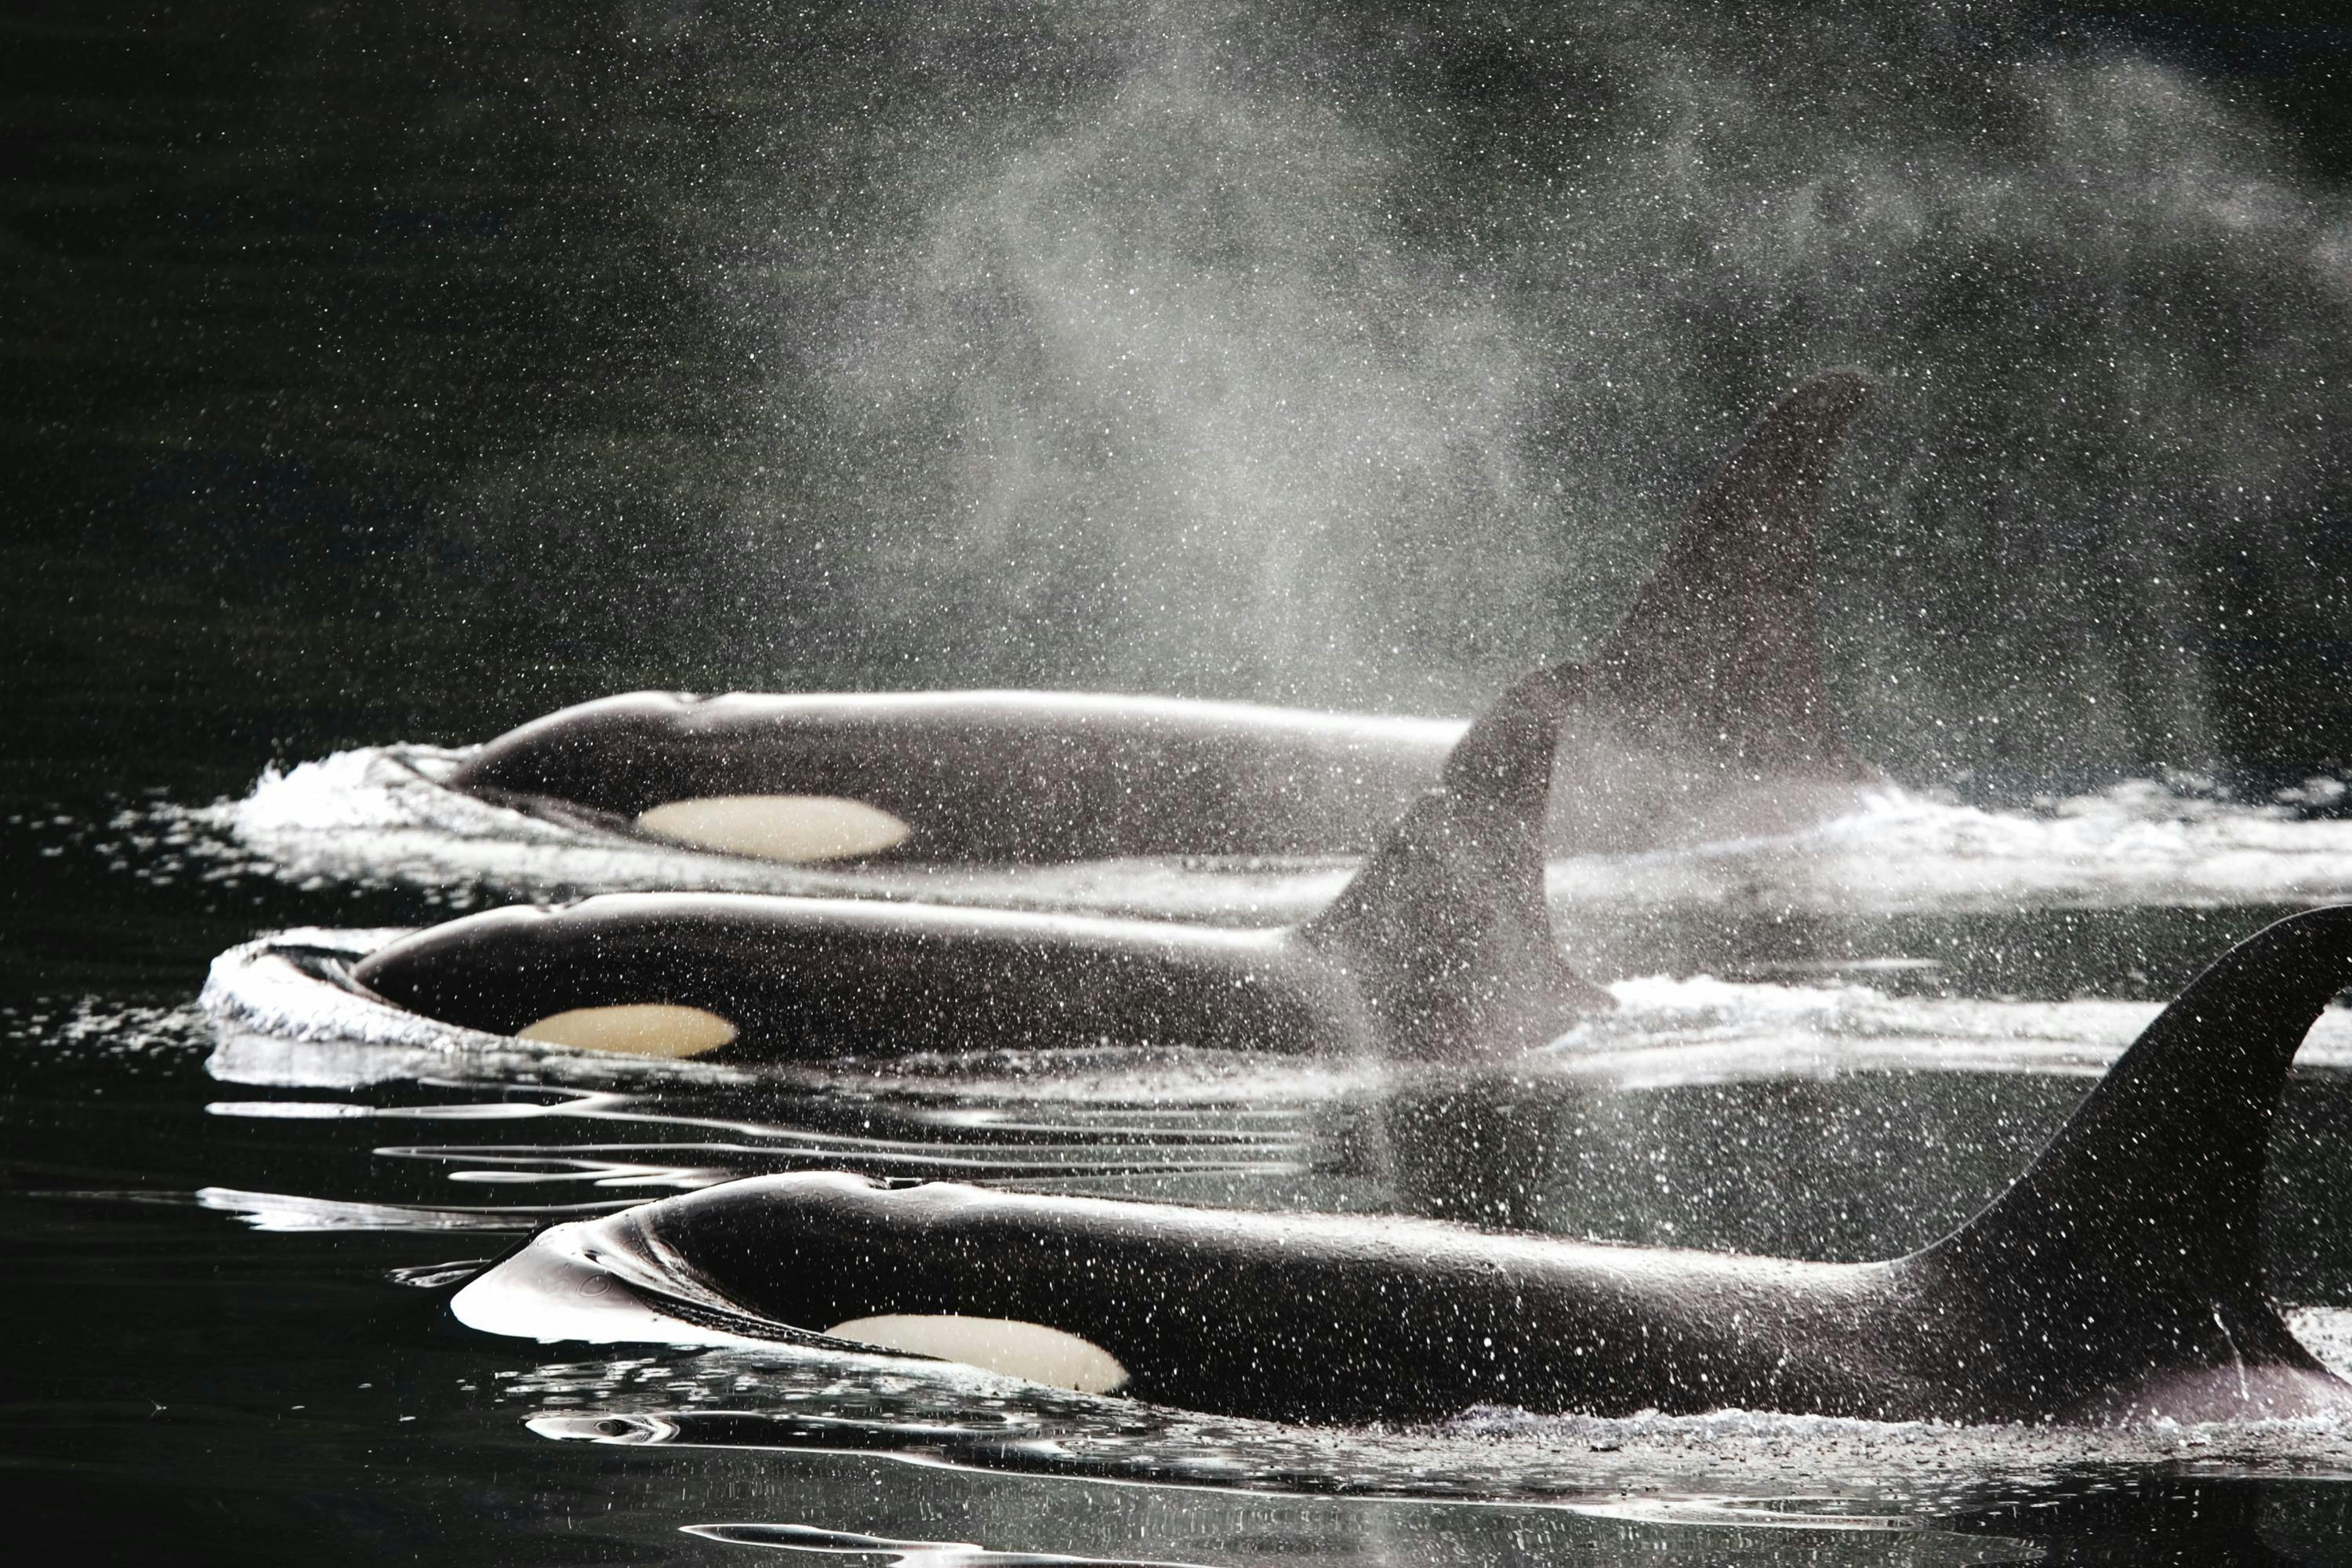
[637,1029]
[1016,1349]
[795,828]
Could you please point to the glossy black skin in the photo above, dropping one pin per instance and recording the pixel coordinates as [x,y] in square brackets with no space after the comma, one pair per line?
[1441,946]
[2118,1279]
[1705,715]
[822,977]
[987,775]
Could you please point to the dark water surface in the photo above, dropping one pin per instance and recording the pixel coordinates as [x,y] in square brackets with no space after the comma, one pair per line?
[391,374]
[232,1275]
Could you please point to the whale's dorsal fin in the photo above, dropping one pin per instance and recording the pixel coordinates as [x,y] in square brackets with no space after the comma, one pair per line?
[1720,656]
[1447,924]
[2137,1232]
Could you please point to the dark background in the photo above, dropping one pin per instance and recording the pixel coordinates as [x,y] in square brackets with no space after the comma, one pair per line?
[379,373]
[382,373]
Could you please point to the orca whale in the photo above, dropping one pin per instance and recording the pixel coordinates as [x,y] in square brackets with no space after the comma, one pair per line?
[1441,946]
[2119,1278]
[1705,714]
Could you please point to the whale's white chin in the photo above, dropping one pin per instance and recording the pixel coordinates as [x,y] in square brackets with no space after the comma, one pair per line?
[1031,1351]
[637,1029]
[793,827]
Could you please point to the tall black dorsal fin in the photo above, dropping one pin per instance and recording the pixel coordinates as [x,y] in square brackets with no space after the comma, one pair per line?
[1447,924]
[2146,1208]
[1720,656]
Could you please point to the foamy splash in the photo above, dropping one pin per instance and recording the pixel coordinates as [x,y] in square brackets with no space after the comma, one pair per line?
[285,1013]
[385,817]
[1689,1469]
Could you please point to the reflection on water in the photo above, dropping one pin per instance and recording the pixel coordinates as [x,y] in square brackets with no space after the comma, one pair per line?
[1834,1100]
[1839,1122]
[1490,1485]
[770,1399]
[914,1553]
[397,370]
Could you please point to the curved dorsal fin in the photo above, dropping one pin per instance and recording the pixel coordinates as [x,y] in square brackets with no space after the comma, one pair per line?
[1718,659]
[2141,1219]
[1446,925]
[1721,655]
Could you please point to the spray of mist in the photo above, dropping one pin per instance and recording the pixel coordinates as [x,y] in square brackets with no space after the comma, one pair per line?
[1181,404]
[1229,356]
